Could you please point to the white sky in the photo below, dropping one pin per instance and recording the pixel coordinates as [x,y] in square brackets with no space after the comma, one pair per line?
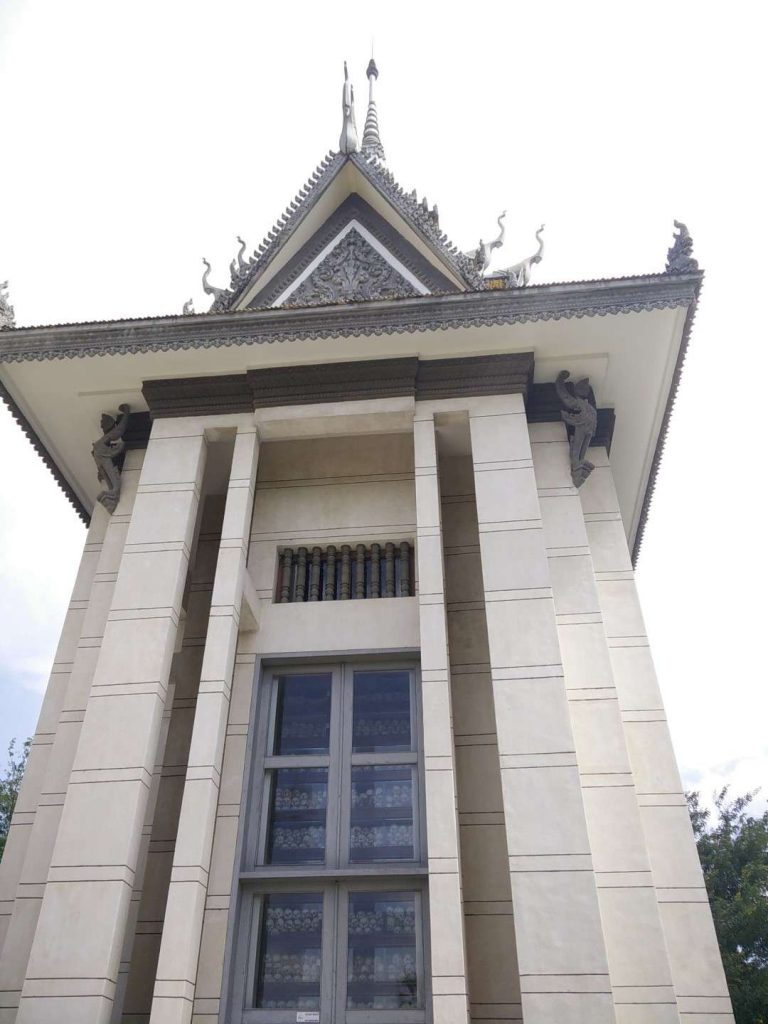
[138,137]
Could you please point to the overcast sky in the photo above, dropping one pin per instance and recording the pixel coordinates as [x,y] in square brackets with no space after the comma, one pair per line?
[138,137]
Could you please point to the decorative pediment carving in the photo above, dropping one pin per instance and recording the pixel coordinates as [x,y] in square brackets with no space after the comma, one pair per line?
[352,271]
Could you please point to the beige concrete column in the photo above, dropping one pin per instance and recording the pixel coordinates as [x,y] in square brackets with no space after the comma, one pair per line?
[563,966]
[180,944]
[64,735]
[637,957]
[448,958]
[74,960]
[23,819]
[689,934]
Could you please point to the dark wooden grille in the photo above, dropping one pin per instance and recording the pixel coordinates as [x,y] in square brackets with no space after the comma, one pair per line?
[346,572]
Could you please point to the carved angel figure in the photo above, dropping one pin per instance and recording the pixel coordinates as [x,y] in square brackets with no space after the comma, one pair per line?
[580,414]
[105,451]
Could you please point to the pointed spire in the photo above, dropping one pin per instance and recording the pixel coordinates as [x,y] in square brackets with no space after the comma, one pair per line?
[348,140]
[371,141]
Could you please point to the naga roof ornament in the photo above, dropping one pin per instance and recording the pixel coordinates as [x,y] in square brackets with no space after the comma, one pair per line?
[348,139]
[519,274]
[481,256]
[371,140]
[680,259]
[7,316]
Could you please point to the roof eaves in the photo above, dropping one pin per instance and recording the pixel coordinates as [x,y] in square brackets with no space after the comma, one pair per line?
[669,409]
[32,436]
[486,308]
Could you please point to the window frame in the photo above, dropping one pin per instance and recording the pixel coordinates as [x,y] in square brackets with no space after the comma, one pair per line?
[338,876]
[338,762]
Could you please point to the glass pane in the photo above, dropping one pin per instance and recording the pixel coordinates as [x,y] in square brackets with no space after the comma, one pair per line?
[381,965]
[381,712]
[303,719]
[381,826]
[297,816]
[288,974]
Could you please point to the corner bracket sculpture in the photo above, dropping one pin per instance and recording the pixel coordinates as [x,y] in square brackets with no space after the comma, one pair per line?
[105,451]
[580,415]
[680,258]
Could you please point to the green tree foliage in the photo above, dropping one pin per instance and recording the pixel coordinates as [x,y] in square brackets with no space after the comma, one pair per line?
[9,788]
[733,847]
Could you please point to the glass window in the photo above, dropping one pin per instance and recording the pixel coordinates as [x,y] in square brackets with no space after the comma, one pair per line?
[336,790]
[303,715]
[299,798]
[381,714]
[289,968]
[382,969]
[381,820]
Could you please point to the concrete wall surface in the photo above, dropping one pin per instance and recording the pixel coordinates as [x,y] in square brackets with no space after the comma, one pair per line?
[560,870]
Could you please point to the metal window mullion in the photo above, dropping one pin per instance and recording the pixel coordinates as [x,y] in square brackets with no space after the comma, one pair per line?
[267,705]
[420,810]
[345,791]
[340,988]
[335,771]
[274,761]
[328,956]
[407,757]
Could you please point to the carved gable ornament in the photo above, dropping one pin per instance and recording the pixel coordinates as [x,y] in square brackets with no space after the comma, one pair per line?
[353,271]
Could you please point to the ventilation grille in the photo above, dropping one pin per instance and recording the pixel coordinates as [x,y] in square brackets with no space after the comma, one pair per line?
[344,573]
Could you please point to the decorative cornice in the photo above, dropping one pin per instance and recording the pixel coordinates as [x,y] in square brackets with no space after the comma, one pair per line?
[507,374]
[504,374]
[363,319]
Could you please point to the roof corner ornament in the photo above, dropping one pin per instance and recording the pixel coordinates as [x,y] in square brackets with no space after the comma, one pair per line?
[188,308]
[371,139]
[238,265]
[105,453]
[481,257]
[680,259]
[348,139]
[220,295]
[579,414]
[519,275]
[7,315]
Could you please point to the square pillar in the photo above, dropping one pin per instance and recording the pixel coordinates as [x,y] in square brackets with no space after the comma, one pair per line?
[180,945]
[561,952]
[686,918]
[60,723]
[94,860]
[448,959]
[637,957]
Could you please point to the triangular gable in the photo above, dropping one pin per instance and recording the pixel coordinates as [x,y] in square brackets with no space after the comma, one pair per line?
[355,255]
[402,231]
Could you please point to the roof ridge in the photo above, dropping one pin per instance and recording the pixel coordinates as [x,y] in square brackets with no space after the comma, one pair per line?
[243,273]
[426,220]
